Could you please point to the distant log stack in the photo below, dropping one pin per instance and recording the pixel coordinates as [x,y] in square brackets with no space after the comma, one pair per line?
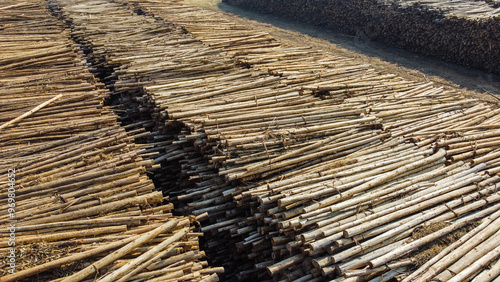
[464,32]
[81,205]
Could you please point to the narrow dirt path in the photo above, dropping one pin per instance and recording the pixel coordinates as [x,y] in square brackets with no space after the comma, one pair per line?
[383,58]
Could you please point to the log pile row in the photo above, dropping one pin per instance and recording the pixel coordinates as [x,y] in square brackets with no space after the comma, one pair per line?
[180,60]
[301,165]
[213,30]
[76,199]
[252,239]
[463,32]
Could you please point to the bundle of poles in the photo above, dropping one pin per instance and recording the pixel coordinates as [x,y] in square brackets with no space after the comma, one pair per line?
[78,203]
[299,165]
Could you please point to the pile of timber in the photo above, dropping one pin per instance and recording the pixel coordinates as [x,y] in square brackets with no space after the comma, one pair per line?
[310,166]
[160,51]
[464,32]
[76,199]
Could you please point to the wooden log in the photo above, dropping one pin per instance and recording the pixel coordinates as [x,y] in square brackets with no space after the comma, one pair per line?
[477,265]
[272,269]
[34,110]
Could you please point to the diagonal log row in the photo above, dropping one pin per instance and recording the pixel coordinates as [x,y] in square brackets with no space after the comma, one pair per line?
[81,204]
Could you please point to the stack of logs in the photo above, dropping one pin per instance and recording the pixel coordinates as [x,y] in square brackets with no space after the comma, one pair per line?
[417,113]
[76,199]
[465,32]
[309,165]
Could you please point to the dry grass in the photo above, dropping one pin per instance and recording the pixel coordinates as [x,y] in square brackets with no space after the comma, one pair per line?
[423,231]
[31,255]
[426,252]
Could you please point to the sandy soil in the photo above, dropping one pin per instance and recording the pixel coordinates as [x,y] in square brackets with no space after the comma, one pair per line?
[385,59]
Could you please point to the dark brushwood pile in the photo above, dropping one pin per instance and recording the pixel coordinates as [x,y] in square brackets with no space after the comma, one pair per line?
[463,32]
[81,203]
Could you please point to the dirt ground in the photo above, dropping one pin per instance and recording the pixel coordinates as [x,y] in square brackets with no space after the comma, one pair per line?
[476,83]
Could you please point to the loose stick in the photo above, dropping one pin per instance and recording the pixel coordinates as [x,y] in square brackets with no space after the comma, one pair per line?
[272,269]
[34,110]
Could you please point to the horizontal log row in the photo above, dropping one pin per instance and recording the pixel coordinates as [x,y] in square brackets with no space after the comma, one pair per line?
[272,154]
[76,198]
[463,32]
